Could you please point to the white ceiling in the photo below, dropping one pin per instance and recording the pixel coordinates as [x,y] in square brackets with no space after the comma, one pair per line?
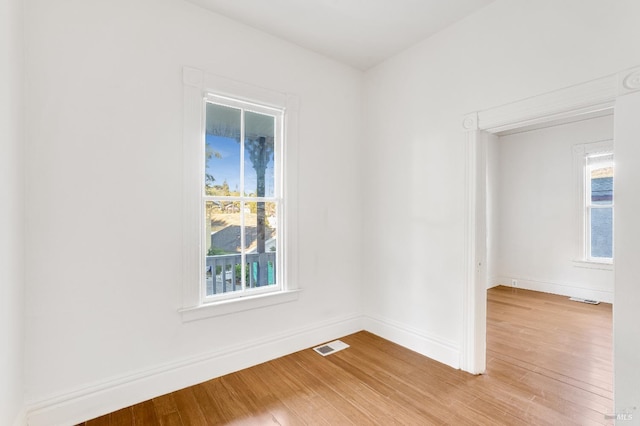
[361,33]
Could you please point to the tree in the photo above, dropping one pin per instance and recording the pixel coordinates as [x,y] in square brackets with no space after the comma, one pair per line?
[210,153]
[260,152]
[259,129]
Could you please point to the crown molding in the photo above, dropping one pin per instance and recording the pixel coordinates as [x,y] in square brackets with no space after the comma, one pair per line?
[629,81]
[584,98]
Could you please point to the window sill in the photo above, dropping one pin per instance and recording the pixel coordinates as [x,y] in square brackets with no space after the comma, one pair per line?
[592,264]
[230,306]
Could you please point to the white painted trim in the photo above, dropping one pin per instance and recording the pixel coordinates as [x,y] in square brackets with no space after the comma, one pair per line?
[493,282]
[290,187]
[592,264]
[214,301]
[94,400]
[579,99]
[584,98]
[197,84]
[192,176]
[560,288]
[434,347]
[629,81]
[244,91]
[467,350]
[582,233]
[230,306]
[21,418]
[477,364]
[470,121]
[473,347]
[580,226]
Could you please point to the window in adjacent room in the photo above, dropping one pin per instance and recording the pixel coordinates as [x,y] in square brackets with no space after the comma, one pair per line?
[598,206]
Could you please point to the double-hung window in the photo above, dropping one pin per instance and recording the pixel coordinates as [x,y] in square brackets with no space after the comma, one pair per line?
[239,153]
[598,208]
[241,198]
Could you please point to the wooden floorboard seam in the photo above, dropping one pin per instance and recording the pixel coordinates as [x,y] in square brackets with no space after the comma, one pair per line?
[549,362]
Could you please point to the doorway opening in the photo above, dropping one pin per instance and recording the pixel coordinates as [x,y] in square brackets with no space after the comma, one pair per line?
[596,97]
[539,254]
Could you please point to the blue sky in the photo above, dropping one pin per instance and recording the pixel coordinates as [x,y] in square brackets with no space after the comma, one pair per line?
[228,167]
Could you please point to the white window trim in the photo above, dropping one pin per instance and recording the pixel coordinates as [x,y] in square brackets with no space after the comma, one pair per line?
[276,198]
[589,206]
[197,84]
[580,152]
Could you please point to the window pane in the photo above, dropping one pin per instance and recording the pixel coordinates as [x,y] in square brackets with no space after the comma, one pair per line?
[602,232]
[259,177]
[222,243]
[260,240]
[602,186]
[222,150]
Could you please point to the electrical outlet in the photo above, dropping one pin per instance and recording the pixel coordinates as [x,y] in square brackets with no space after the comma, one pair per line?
[514,283]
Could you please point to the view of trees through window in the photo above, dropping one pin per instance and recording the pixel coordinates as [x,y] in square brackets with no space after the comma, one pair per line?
[240,198]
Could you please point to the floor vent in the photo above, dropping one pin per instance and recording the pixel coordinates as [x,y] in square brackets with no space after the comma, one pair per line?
[589,301]
[331,347]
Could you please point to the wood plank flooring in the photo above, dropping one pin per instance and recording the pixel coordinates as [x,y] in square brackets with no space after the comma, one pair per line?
[548,363]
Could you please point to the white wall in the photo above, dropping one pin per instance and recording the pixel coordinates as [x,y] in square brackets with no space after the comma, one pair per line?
[11,214]
[538,235]
[414,105]
[104,201]
[627,234]
[103,177]
[493,219]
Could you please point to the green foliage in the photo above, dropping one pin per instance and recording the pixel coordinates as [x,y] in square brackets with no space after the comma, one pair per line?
[213,251]
[219,190]
[239,274]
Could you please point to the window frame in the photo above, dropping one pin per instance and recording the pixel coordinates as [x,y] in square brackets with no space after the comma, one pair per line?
[278,115]
[589,206]
[581,153]
[198,86]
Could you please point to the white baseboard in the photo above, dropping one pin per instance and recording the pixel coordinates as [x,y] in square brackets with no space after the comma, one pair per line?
[492,282]
[436,348]
[100,398]
[21,419]
[558,288]
[97,399]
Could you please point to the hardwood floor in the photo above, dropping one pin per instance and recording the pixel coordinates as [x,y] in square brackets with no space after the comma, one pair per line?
[548,363]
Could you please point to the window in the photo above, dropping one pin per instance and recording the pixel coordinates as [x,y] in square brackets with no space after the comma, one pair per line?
[241,198]
[599,207]
[239,186]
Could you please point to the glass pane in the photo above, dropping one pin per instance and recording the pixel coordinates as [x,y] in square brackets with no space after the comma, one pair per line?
[260,240]
[222,243]
[259,177]
[602,186]
[602,232]
[222,150]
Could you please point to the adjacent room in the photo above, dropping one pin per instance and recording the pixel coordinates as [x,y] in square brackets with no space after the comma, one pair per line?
[195,193]
[551,221]
[550,253]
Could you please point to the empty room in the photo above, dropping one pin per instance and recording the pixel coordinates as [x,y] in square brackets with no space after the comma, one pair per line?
[197,193]
[550,257]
